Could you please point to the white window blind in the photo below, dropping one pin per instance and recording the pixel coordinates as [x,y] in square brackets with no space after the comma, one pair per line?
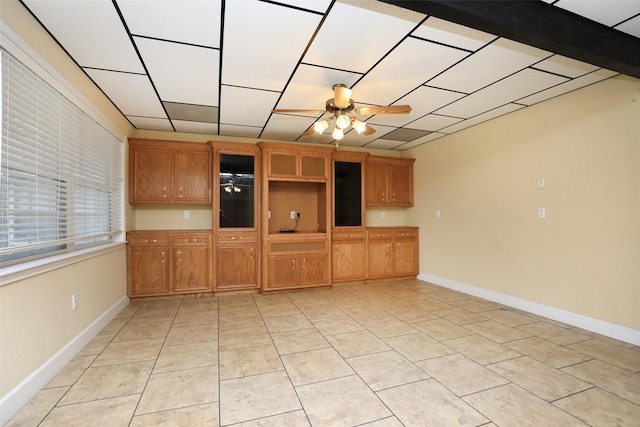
[61,173]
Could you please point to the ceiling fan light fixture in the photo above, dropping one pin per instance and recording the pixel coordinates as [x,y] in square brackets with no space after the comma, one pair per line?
[342,121]
[359,126]
[341,96]
[337,134]
[321,125]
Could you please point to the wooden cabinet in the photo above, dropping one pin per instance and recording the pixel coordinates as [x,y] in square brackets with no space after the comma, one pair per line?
[389,181]
[348,256]
[169,172]
[237,262]
[392,252]
[299,267]
[296,216]
[236,216]
[291,162]
[162,263]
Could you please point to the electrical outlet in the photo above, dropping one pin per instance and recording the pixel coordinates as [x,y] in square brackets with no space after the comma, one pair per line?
[542,213]
[186,214]
[292,215]
[74,301]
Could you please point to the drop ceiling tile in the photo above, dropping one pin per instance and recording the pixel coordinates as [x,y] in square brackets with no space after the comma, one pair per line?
[311,86]
[151,123]
[423,101]
[186,21]
[500,111]
[191,113]
[181,73]
[244,106]
[610,12]
[448,33]
[407,67]
[427,138]
[252,29]
[315,5]
[405,134]
[240,131]
[385,144]
[331,48]
[569,86]
[632,26]
[565,66]
[90,31]
[286,127]
[434,122]
[480,70]
[315,138]
[195,127]
[512,88]
[131,93]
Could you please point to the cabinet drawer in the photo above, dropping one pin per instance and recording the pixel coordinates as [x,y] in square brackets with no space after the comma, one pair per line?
[380,234]
[189,239]
[149,240]
[405,234]
[348,235]
[236,238]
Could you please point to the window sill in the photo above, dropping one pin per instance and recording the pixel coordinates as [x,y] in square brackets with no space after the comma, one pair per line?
[17,272]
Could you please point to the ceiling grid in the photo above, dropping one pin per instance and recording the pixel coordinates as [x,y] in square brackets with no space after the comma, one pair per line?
[220,67]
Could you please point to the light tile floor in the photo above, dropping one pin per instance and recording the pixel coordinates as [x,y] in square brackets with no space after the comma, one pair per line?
[389,354]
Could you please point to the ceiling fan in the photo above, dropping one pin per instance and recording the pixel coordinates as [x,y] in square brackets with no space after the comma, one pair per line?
[233,185]
[339,107]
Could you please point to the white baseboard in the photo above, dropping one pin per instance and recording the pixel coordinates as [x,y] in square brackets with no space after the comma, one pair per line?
[612,330]
[20,395]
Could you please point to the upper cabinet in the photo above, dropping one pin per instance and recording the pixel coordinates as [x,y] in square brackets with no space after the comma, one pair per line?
[296,163]
[389,181]
[169,172]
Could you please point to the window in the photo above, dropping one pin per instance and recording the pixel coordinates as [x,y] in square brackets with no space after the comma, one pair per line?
[61,173]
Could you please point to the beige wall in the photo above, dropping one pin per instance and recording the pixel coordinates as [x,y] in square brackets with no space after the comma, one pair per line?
[585,256]
[36,319]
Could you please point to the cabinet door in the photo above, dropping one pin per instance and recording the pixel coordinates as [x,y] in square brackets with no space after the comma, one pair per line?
[401,185]
[379,263]
[348,260]
[376,184]
[405,257]
[237,267]
[282,165]
[148,271]
[314,269]
[283,272]
[192,169]
[150,175]
[313,167]
[191,269]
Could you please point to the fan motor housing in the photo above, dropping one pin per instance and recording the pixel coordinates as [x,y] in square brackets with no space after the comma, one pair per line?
[331,106]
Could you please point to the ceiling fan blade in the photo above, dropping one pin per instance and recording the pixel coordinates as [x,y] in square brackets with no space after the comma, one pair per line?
[285,110]
[368,130]
[390,109]
[341,96]
[309,131]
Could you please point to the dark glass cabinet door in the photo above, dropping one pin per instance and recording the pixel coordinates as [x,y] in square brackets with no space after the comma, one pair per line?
[237,191]
[348,193]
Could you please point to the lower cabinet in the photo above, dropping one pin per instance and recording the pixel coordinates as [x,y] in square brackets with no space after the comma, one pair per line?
[392,252]
[348,256]
[161,263]
[237,262]
[297,271]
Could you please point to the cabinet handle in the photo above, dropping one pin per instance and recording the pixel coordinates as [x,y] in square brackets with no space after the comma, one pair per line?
[383,197]
[251,253]
[180,192]
[164,192]
[393,196]
[293,264]
[179,255]
[163,257]
[195,240]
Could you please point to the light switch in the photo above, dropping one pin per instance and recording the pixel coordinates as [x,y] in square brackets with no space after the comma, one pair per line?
[541,213]
[541,182]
